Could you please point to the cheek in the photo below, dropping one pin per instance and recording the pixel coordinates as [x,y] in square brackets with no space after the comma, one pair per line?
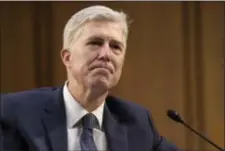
[80,62]
[75,61]
[119,63]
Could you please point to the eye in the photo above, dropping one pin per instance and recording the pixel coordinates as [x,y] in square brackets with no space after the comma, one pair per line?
[115,46]
[95,43]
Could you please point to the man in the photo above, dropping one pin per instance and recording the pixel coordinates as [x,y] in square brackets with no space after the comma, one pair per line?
[82,115]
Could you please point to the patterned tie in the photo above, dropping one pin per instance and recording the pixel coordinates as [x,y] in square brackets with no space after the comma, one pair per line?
[86,140]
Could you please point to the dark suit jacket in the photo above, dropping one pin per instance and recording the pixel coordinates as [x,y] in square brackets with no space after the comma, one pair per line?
[35,121]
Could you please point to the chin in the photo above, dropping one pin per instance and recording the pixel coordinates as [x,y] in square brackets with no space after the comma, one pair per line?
[102,84]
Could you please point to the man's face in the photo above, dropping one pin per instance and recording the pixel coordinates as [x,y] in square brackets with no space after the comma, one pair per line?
[96,57]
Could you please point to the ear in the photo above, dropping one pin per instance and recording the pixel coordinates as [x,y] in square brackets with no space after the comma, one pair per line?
[65,56]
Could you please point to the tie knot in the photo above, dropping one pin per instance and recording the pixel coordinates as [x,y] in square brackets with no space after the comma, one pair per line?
[89,121]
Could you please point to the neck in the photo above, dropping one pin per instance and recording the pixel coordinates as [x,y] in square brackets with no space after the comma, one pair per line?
[90,98]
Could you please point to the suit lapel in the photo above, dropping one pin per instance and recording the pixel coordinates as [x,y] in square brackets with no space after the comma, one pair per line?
[116,133]
[55,122]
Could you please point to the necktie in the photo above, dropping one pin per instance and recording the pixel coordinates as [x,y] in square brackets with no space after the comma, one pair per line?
[86,140]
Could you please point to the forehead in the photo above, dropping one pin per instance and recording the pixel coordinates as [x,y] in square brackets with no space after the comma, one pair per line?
[104,29]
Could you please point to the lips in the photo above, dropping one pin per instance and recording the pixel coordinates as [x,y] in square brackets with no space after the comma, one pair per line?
[103,67]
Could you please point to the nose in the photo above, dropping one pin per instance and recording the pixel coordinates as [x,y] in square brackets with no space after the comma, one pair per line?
[105,52]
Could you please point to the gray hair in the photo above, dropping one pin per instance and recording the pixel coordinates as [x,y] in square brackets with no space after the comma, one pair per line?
[92,13]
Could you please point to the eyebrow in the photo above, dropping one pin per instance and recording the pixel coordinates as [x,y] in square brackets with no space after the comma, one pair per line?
[101,38]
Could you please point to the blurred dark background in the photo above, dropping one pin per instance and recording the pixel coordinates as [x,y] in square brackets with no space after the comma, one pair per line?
[175,59]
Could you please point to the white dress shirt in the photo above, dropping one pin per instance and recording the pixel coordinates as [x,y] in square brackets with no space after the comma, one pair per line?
[74,112]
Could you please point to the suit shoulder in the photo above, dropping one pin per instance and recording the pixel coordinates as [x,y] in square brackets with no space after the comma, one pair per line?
[126,109]
[126,104]
[23,95]
[25,100]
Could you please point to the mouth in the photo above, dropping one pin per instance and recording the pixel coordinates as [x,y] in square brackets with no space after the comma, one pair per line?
[102,67]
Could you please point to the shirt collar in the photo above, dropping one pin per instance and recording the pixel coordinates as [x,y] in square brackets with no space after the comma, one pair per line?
[74,111]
